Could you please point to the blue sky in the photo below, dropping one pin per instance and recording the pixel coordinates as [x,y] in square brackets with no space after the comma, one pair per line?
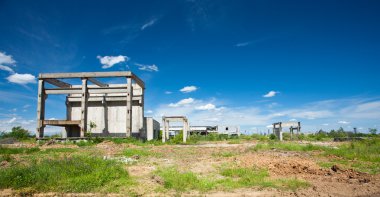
[247,63]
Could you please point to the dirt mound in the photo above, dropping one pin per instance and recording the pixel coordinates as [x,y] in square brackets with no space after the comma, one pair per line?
[110,148]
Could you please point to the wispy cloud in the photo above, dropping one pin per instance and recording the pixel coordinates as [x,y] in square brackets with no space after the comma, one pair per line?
[182,102]
[243,44]
[149,68]
[149,23]
[6,68]
[208,106]
[343,122]
[168,92]
[109,61]
[270,94]
[6,59]
[188,89]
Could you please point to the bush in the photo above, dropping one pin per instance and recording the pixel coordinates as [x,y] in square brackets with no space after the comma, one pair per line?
[272,136]
[16,132]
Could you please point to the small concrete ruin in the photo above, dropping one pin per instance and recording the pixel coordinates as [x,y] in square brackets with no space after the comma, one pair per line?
[166,122]
[277,128]
[117,110]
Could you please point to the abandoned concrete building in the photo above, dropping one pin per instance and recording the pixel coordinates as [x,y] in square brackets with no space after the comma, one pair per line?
[278,126]
[204,130]
[117,110]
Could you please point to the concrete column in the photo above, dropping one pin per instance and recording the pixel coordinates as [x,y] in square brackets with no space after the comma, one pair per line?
[40,109]
[129,107]
[167,130]
[184,131]
[163,130]
[83,120]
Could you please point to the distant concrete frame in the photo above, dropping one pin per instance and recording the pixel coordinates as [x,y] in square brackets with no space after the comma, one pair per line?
[84,90]
[166,121]
[277,128]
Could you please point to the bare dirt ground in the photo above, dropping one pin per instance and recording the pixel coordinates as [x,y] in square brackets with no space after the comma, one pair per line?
[205,159]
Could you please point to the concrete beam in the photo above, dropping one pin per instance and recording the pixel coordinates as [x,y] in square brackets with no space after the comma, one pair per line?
[58,83]
[61,122]
[96,82]
[85,75]
[90,90]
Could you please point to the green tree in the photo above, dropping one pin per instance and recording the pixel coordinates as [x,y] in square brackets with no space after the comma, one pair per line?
[372,131]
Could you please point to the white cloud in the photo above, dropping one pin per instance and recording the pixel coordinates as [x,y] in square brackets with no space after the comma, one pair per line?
[243,44]
[325,124]
[343,122]
[21,78]
[149,68]
[310,114]
[6,59]
[182,102]
[188,89]
[12,120]
[293,119]
[270,94]
[208,106]
[168,92]
[109,61]
[6,68]
[149,112]
[148,24]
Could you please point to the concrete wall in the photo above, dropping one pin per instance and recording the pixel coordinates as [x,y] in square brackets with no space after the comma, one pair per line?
[110,118]
[152,128]
[228,129]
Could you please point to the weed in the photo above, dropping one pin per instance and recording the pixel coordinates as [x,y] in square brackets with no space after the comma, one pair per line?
[75,174]
[184,181]
[144,152]
[4,150]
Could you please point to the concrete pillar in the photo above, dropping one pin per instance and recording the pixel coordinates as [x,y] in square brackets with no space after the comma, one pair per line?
[167,130]
[84,99]
[184,131]
[40,109]
[129,107]
[163,130]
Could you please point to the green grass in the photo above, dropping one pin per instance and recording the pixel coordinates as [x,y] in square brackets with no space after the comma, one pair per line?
[184,181]
[142,152]
[287,146]
[75,174]
[362,155]
[224,154]
[6,157]
[233,178]
[59,150]
[255,177]
[9,151]
[366,150]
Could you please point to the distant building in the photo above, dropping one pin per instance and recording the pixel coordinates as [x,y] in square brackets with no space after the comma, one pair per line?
[204,130]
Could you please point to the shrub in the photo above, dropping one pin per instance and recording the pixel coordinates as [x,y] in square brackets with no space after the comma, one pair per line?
[16,132]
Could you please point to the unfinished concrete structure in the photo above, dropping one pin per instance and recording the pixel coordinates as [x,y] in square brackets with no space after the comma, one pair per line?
[116,109]
[277,128]
[166,122]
